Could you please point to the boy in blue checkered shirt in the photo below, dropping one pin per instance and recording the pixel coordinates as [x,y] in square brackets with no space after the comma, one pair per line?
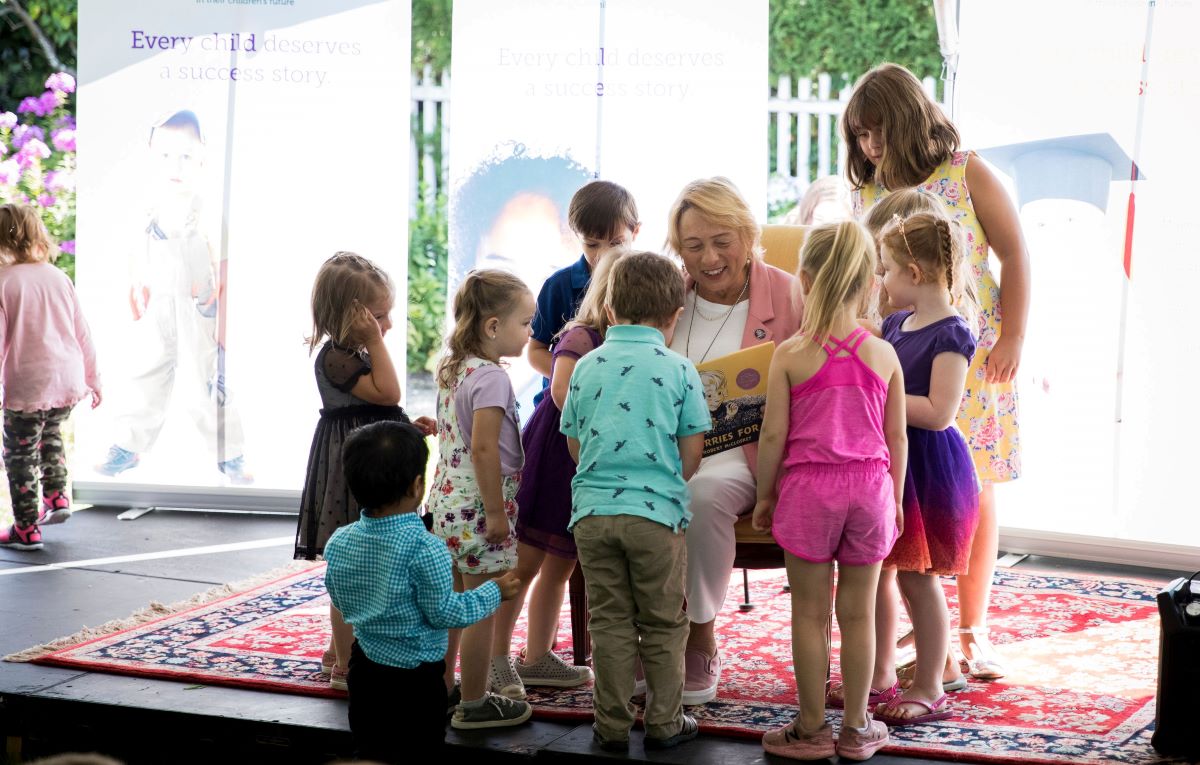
[392,581]
[635,419]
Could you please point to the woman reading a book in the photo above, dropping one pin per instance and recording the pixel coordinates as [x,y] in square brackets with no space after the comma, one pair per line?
[734,301]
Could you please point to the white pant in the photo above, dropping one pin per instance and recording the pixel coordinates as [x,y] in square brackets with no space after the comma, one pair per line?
[721,490]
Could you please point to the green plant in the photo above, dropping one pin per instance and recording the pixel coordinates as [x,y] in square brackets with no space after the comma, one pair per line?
[427,252]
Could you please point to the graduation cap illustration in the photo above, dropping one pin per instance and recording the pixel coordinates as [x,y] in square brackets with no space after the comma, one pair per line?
[1076,167]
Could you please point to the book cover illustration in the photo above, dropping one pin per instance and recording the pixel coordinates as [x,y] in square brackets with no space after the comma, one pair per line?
[735,388]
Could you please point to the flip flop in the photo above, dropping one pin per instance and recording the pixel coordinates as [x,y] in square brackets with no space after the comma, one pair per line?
[904,677]
[873,698]
[887,712]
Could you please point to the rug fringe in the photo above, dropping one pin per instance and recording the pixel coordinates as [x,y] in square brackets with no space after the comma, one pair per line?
[158,610]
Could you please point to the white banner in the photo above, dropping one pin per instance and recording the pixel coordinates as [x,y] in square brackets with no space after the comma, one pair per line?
[549,95]
[226,150]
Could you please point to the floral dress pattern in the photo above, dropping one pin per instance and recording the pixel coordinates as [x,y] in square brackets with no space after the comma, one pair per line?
[988,414]
[455,503]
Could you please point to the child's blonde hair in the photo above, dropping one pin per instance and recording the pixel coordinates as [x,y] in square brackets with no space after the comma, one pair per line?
[23,236]
[591,313]
[904,203]
[839,259]
[343,279]
[937,246]
[917,135]
[483,294]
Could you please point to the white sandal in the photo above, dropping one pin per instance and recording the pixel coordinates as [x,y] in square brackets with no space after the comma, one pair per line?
[979,658]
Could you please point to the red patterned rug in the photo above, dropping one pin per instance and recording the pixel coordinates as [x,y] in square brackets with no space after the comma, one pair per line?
[1081,654]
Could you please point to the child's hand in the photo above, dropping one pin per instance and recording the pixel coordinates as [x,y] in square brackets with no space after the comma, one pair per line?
[1003,361]
[96,398]
[497,528]
[363,327]
[427,426]
[899,519]
[764,513]
[509,585]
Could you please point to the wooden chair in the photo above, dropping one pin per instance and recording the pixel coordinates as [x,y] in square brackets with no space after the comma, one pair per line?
[753,549]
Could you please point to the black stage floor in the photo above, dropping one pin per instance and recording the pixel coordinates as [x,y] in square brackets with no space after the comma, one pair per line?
[46,710]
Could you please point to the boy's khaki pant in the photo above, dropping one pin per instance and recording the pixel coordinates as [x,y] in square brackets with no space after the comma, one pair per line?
[635,570]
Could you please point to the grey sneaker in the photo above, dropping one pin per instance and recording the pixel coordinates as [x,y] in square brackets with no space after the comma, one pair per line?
[494,712]
[504,680]
[551,670]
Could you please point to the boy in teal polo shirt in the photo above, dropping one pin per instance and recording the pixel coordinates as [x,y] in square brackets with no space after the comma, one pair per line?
[635,419]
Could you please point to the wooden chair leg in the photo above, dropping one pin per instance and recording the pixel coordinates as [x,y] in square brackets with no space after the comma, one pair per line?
[745,605]
[581,639]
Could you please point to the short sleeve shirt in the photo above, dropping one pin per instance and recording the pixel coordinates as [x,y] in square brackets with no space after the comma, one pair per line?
[628,402]
[917,348]
[489,386]
[557,303]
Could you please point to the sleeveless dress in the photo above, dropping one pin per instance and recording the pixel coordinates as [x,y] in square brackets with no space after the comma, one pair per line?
[941,493]
[326,502]
[544,499]
[455,504]
[988,414]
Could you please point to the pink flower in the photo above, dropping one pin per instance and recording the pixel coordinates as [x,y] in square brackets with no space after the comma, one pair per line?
[31,152]
[46,200]
[950,192]
[984,433]
[23,133]
[61,82]
[68,247]
[30,104]
[8,120]
[49,101]
[63,140]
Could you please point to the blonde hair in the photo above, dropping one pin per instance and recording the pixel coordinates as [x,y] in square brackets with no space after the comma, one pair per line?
[343,279]
[716,381]
[591,313]
[937,246]
[645,288]
[719,202]
[903,203]
[917,136]
[483,294]
[828,188]
[839,259]
[23,236]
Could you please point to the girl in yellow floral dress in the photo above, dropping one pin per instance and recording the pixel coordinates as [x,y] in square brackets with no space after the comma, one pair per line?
[897,137]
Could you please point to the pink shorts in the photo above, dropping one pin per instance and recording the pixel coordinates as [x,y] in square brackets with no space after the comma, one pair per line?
[845,513]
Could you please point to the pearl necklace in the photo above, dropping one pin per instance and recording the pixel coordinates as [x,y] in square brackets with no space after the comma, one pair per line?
[696,311]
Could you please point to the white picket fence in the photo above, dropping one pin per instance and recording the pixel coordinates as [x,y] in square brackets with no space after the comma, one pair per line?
[799,113]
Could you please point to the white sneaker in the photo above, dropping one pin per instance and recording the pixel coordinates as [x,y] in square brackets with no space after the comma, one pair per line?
[552,671]
[504,680]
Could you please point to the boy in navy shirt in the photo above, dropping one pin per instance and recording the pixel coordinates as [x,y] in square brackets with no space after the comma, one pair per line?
[604,216]
[392,581]
[635,419]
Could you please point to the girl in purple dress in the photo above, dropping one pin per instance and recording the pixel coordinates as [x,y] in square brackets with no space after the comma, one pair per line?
[545,547]
[922,257]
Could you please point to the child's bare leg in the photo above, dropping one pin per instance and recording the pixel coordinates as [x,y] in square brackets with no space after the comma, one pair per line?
[453,643]
[887,617]
[931,628]
[545,605]
[529,560]
[342,638]
[810,583]
[975,587]
[475,650]
[857,586]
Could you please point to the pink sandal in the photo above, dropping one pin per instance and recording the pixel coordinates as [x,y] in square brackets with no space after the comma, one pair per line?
[873,698]
[887,713]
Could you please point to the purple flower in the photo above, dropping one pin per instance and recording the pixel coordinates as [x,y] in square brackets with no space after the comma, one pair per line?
[31,151]
[67,121]
[8,120]
[63,140]
[68,247]
[24,133]
[61,82]
[10,171]
[49,101]
[31,104]
[46,200]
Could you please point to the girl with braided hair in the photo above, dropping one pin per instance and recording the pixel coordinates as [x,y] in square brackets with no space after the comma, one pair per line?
[923,262]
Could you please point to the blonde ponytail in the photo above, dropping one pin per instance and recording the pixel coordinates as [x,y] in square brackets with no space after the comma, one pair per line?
[839,259]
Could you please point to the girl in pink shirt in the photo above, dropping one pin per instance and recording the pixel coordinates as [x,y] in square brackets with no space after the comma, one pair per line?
[47,365]
[831,460]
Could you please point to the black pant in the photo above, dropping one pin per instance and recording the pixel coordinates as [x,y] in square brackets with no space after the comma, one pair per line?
[396,712]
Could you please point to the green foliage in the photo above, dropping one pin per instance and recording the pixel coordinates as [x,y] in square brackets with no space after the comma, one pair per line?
[23,62]
[427,253]
[431,22]
[847,37]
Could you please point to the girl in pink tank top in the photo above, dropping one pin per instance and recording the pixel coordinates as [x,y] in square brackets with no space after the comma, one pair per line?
[835,423]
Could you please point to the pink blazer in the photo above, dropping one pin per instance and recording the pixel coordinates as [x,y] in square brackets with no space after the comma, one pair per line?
[774,315]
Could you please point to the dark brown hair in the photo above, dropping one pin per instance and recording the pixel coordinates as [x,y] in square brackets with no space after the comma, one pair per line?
[917,136]
[600,208]
[645,288]
[23,236]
